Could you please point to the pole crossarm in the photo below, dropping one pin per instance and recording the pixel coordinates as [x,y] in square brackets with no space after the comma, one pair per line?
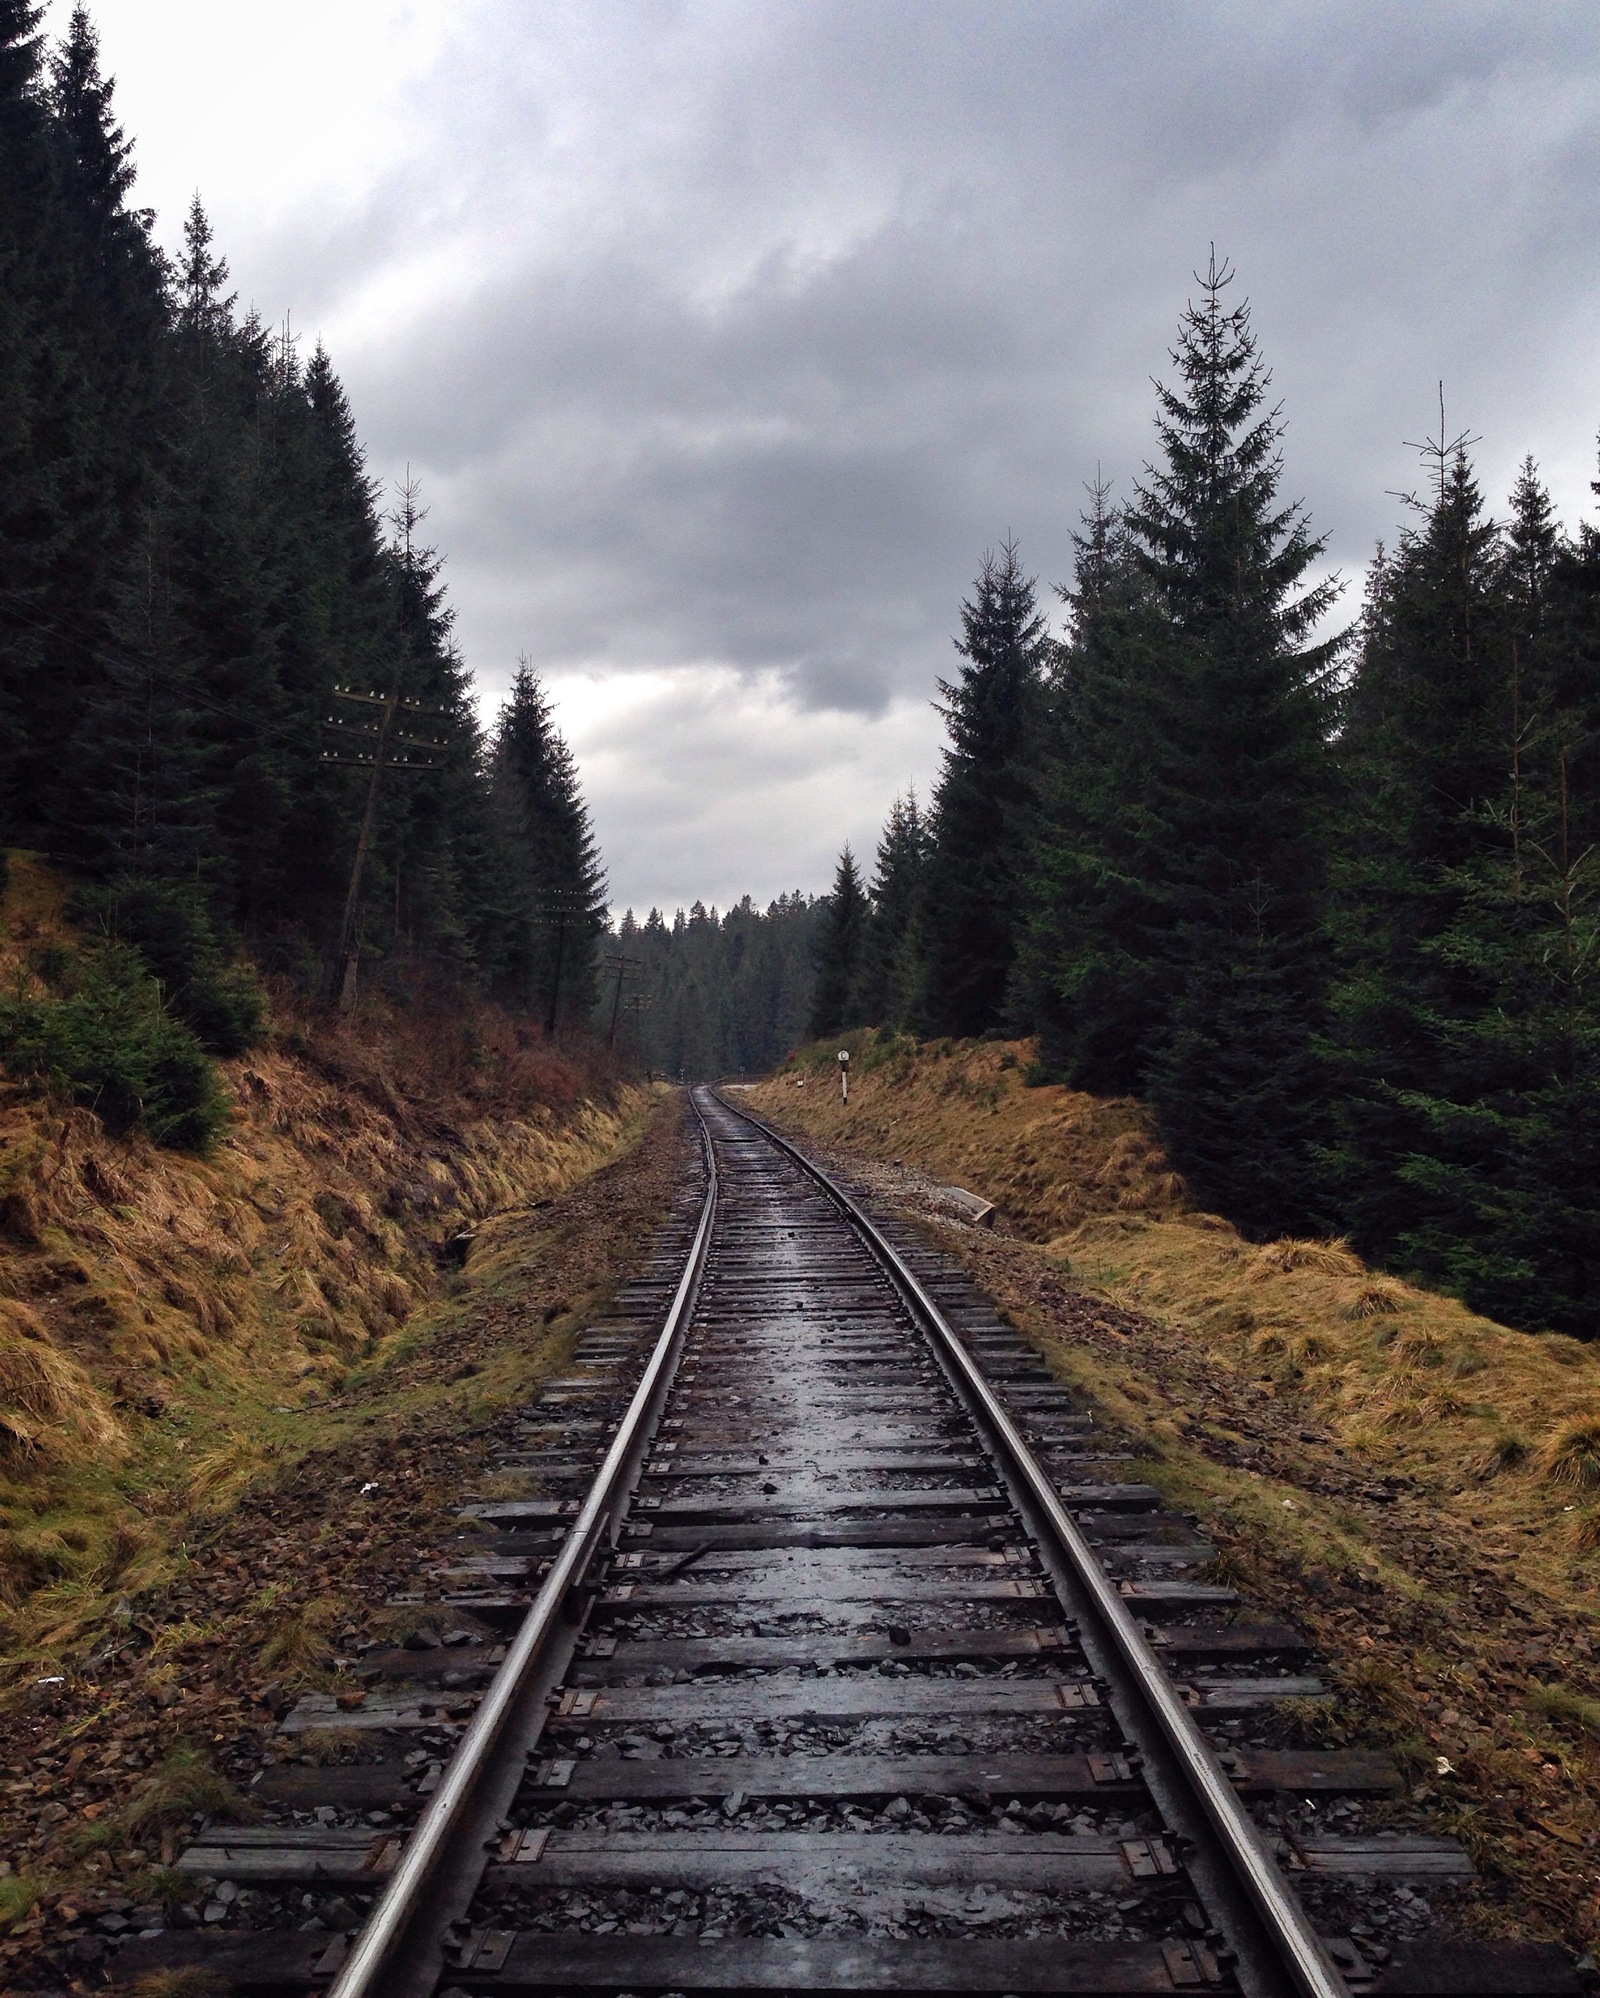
[385,700]
[408,765]
[376,735]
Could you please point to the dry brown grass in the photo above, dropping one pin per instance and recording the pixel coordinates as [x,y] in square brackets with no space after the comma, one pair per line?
[48,1405]
[1501,1450]
[224,1471]
[1570,1454]
[185,1784]
[301,1645]
[1586,1530]
[195,1981]
[1377,1297]
[1282,1258]
[1047,1157]
[1503,1424]
[329,1746]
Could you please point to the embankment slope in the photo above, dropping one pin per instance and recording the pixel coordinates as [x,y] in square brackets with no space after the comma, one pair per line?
[169,1322]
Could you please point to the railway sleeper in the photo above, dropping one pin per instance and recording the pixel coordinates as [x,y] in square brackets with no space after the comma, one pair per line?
[543,1860]
[1109,1777]
[493,1962]
[399,1786]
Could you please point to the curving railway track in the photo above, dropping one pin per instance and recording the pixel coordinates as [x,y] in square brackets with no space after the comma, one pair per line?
[825,1647]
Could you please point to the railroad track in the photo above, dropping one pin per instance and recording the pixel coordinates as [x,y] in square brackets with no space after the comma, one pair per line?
[828,1649]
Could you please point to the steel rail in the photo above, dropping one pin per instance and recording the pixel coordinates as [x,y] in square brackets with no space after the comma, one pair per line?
[401,1910]
[1293,1941]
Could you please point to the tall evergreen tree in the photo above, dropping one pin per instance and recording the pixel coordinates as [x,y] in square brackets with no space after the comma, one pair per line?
[80,333]
[1193,964]
[176,732]
[839,952]
[334,609]
[886,981]
[1246,774]
[972,898]
[26,521]
[1097,958]
[560,898]
[1425,749]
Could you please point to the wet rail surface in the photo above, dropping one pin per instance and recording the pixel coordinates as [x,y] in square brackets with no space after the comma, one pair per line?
[826,1708]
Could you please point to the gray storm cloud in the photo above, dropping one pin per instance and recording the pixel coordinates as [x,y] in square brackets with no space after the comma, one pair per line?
[725,338]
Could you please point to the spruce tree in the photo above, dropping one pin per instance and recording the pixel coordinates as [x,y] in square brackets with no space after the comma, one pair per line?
[335,612]
[117,274]
[178,733]
[839,952]
[1190,967]
[108,312]
[1426,749]
[29,522]
[81,324]
[886,981]
[559,902]
[1098,962]
[1245,772]
[972,898]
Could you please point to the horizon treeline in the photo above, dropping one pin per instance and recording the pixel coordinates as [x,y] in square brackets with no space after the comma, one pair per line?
[1328,903]
[712,995]
[194,567]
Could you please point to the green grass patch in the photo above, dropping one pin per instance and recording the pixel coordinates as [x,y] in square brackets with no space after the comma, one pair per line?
[1576,1712]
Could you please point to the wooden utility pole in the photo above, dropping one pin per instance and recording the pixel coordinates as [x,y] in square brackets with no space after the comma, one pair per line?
[378,758]
[560,909]
[619,964]
[637,1004]
[555,983]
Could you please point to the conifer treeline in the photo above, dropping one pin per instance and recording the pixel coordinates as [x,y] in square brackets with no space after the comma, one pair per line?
[709,995]
[192,561]
[1329,905]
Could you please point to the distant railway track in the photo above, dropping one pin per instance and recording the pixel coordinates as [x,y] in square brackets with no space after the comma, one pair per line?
[836,1651]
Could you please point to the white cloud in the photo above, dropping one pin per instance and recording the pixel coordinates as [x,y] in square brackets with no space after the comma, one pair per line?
[674,829]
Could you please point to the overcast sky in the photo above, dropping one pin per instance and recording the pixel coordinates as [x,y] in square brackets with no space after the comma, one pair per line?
[724,337]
